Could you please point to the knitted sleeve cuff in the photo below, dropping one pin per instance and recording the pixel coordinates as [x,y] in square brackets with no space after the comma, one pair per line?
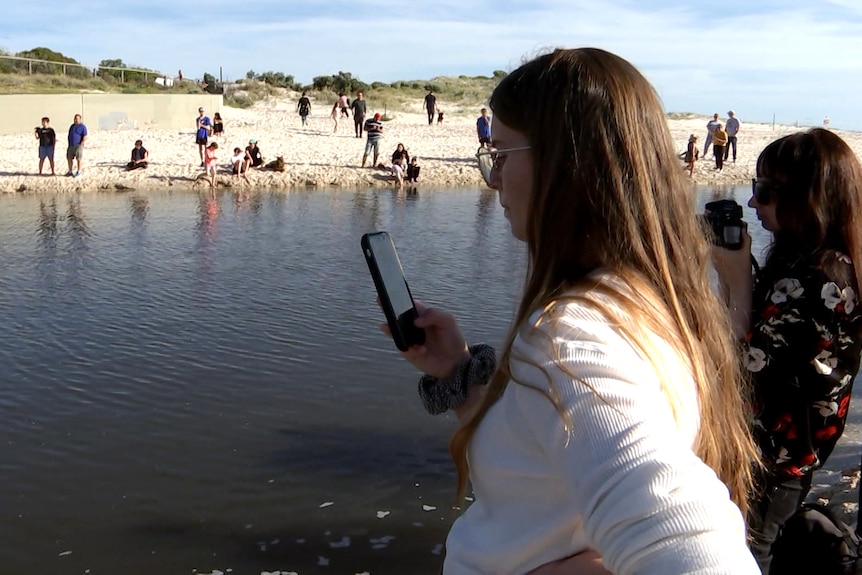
[441,395]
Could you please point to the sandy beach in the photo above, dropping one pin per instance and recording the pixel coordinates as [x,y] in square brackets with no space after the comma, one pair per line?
[314,155]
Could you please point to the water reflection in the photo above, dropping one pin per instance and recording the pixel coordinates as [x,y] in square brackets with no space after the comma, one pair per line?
[47,225]
[139,206]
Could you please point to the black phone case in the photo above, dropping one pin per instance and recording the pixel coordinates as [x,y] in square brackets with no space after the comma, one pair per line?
[404,333]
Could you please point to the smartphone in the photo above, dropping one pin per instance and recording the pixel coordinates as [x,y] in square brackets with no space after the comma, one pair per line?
[395,297]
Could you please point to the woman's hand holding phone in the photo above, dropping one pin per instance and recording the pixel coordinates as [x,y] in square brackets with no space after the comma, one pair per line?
[444,348]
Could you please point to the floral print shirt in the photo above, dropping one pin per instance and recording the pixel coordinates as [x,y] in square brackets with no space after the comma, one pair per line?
[803,353]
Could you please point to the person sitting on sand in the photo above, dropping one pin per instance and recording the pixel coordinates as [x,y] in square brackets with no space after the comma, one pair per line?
[239,163]
[255,156]
[413,170]
[400,160]
[140,156]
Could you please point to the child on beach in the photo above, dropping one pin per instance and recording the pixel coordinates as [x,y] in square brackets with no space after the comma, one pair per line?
[211,162]
[336,111]
[691,154]
[47,140]
[240,163]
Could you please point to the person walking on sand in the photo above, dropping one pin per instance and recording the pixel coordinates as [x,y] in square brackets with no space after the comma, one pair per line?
[344,104]
[47,141]
[710,128]
[77,138]
[203,125]
[304,107]
[719,141]
[483,129]
[430,105]
[336,112]
[732,129]
[211,162]
[374,132]
[359,109]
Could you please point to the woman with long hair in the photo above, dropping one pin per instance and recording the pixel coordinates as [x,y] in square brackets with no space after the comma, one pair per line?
[800,318]
[612,432]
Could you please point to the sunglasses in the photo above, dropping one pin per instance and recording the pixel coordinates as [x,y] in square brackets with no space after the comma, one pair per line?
[491,158]
[762,189]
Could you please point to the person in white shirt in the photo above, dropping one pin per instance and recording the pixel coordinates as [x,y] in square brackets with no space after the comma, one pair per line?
[239,164]
[732,129]
[612,435]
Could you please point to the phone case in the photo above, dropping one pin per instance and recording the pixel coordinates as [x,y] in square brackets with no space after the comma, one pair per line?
[404,333]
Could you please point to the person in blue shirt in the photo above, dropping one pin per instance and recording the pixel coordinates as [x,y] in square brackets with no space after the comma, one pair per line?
[483,128]
[204,129]
[77,137]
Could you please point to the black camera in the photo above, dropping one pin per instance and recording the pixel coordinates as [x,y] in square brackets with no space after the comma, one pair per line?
[723,220]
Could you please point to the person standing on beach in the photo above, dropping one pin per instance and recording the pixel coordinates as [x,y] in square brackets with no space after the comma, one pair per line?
[47,140]
[719,141]
[77,137]
[204,128]
[430,105]
[483,129]
[710,128]
[304,108]
[374,131]
[732,129]
[359,108]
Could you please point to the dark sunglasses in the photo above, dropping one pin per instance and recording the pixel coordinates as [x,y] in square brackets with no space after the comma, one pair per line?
[762,190]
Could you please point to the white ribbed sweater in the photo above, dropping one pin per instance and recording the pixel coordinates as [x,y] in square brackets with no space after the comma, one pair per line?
[626,482]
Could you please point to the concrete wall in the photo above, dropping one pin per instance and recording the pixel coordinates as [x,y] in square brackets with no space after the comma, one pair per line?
[22,113]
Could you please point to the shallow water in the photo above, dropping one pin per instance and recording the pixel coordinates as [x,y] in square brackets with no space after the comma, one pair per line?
[187,381]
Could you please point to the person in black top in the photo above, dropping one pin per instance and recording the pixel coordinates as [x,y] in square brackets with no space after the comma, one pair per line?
[140,156]
[304,108]
[47,140]
[254,154]
[800,319]
[359,109]
[430,106]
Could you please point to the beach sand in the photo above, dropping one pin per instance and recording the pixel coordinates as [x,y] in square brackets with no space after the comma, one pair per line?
[314,155]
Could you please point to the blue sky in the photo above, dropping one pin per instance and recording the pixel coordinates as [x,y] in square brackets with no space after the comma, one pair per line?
[799,60]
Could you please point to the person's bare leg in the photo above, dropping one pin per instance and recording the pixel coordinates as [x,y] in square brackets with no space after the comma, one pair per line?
[51,160]
[41,163]
[70,164]
[364,157]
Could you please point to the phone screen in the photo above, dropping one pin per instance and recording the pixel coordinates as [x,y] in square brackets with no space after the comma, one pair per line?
[391,273]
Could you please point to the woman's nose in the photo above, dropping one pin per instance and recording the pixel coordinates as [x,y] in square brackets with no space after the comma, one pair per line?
[752,203]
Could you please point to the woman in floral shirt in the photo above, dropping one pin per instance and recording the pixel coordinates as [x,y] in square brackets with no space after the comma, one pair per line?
[801,321]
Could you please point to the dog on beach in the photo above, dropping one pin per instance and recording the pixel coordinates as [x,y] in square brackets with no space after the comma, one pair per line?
[439,118]
[276,165]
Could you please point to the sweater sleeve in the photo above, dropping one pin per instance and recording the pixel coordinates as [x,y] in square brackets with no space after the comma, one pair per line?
[649,504]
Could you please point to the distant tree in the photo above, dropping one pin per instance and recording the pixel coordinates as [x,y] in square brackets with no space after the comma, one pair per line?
[345,82]
[42,53]
[432,87]
[321,82]
[499,74]
[250,75]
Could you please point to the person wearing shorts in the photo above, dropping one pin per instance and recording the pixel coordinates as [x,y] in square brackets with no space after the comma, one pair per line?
[374,131]
[47,140]
[204,128]
[75,152]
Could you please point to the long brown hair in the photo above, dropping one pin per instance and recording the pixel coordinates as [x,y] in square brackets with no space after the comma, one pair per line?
[608,192]
[818,198]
